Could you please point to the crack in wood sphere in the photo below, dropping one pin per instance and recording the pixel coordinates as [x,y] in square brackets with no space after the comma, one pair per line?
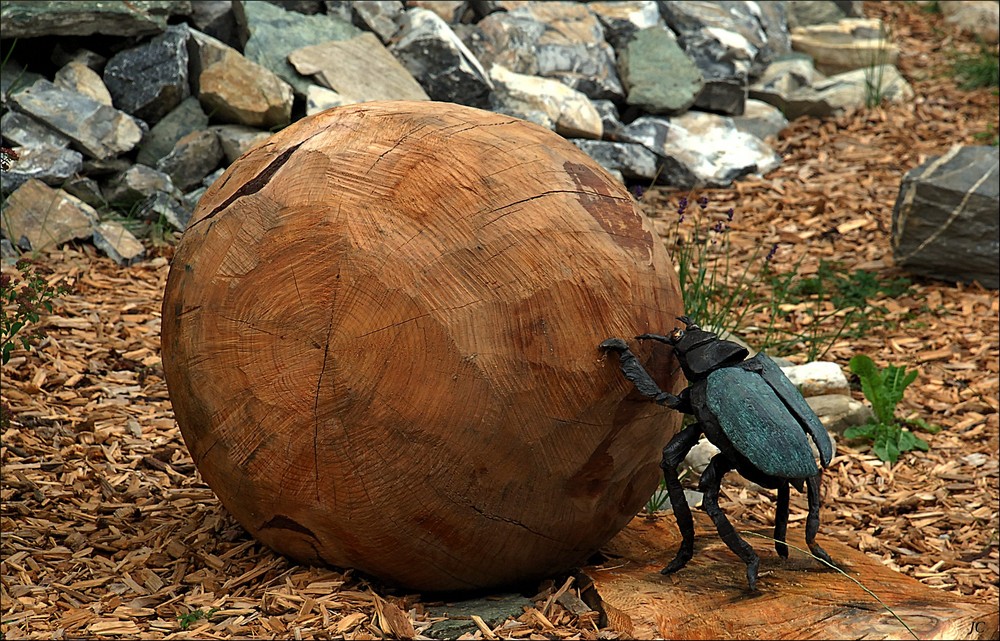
[380,338]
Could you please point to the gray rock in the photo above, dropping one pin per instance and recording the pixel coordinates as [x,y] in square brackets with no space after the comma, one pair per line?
[760,120]
[101,168]
[440,62]
[117,243]
[236,140]
[641,64]
[700,456]
[701,149]
[783,88]
[978,18]
[320,99]
[176,212]
[86,189]
[135,185]
[818,378]
[185,118]
[610,120]
[806,12]
[307,7]
[493,611]
[381,17]
[78,77]
[270,33]
[97,130]
[509,40]
[853,43]
[358,69]
[622,19]
[193,157]
[944,222]
[724,40]
[203,52]
[62,57]
[149,80]
[693,498]
[838,412]
[572,48]
[451,11]
[41,217]
[86,17]
[631,161]
[546,102]
[24,131]
[14,78]
[191,199]
[237,90]
[208,180]
[216,19]
[51,164]
[774,20]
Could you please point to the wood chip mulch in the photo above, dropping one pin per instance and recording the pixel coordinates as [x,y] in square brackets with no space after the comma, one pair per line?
[108,530]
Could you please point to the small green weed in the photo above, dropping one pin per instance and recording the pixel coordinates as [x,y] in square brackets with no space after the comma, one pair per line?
[874,72]
[23,304]
[979,70]
[884,390]
[194,616]
[719,294]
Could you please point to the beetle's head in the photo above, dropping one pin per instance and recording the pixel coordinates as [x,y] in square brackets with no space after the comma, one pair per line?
[700,352]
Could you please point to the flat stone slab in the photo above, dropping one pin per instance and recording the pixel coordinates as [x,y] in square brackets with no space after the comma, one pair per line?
[358,69]
[797,598]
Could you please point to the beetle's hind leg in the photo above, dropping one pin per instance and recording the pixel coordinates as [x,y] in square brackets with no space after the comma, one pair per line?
[673,454]
[781,521]
[812,520]
[710,481]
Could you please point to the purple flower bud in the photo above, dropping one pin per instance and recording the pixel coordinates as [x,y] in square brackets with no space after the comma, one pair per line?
[718,227]
[770,254]
[729,215]
[703,202]
[682,206]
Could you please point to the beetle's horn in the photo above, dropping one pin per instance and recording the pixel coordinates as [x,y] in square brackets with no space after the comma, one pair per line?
[688,322]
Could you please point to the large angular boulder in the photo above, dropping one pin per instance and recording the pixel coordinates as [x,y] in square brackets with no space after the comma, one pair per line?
[149,80]
[86,17]
[944,223]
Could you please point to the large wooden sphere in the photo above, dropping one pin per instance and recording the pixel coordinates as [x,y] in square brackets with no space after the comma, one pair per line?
[380,338]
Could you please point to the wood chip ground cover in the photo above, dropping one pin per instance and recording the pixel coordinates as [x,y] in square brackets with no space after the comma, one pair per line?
[108,531]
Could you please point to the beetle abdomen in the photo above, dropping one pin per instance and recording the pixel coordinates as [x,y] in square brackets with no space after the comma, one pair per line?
[758,424]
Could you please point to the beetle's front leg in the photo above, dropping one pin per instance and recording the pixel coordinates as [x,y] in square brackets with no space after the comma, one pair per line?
[673,454]
[635,372]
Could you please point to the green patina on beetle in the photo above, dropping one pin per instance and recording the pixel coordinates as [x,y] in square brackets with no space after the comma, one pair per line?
[755,416]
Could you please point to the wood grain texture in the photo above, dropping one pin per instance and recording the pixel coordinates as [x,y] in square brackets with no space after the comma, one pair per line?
[798,598]
[380,338]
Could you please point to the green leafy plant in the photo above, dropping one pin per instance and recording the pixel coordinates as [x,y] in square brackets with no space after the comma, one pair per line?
[194,616]
[23,304]
[884,390]
[978,70]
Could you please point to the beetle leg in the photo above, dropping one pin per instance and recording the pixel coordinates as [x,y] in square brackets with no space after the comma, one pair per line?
[635,372]
[673,454]
[709,484]
[653,337]
[781,521]
[812,520]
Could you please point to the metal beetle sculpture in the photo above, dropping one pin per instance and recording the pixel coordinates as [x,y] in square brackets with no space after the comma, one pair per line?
[755,416]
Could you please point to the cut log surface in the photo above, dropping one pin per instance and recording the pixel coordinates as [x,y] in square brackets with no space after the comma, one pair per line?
[380,338]
[797,598]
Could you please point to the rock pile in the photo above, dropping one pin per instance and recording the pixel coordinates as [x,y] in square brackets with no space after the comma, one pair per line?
[118,114]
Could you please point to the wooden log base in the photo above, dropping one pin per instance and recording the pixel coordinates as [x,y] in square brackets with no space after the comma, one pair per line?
[796,598]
